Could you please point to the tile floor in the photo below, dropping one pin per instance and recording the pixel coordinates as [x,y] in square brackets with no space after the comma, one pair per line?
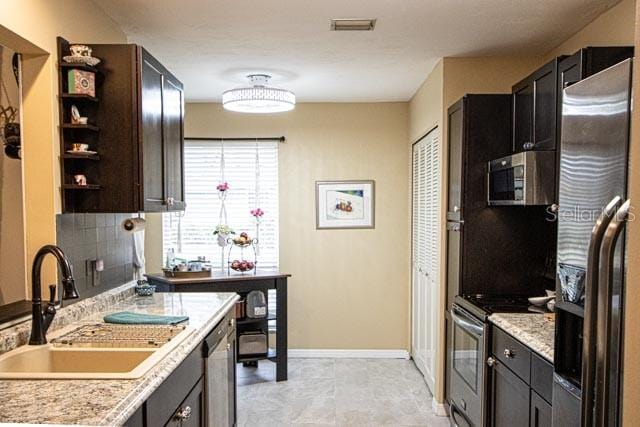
[343,392]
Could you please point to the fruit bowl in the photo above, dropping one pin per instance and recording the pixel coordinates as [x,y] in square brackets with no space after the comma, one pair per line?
[242,266]
[243,240]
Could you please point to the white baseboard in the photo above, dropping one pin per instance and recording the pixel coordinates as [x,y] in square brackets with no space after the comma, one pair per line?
[440,409]
[348,354]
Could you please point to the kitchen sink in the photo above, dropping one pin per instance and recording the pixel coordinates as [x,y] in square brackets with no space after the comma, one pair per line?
[56,361]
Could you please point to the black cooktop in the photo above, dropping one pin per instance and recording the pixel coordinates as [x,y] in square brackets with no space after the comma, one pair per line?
[482,306]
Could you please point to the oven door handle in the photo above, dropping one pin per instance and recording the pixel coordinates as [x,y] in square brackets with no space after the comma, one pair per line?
[477,330]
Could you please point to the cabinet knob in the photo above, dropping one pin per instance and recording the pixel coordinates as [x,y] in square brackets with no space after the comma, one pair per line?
[170,201]
[528,146]
[231,322]
[183,413]
[456,208]
[491,361]
[229,347]
[509,354]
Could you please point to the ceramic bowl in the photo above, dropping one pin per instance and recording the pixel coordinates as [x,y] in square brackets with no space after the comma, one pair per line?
[551,305]
[80,50]
[79,147]
[540,301]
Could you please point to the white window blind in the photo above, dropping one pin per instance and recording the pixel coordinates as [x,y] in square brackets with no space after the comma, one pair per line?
[191,234]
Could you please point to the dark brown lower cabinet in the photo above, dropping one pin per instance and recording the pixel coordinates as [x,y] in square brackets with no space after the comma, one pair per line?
[540,415]
[190,413]
[509,398]
[521,382]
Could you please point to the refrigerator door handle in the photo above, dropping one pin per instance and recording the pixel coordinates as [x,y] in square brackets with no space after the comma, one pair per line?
[590,311]
[605,291]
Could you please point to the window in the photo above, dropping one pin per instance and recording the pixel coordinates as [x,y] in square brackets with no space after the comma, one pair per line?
[191,233]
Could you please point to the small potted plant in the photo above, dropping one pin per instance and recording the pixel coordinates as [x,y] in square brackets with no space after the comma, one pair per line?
[222,232]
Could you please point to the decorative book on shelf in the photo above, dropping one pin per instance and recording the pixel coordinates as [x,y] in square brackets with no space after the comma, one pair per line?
[81,82]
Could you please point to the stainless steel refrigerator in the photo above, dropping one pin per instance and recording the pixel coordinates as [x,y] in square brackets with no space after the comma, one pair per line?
[592,213]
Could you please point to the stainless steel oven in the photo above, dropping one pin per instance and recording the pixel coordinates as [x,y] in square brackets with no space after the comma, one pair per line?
[467,369]
[526,178]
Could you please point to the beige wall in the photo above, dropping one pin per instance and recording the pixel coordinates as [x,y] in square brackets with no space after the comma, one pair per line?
[615,27]
[12,256]
[484,75]
[31,27]
[426,106]
[631,380]
[350,288]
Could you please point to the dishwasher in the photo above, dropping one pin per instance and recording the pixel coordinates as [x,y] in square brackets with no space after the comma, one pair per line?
[220,370]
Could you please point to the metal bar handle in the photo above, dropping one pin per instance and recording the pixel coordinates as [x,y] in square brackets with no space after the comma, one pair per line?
[466,324]
[590,311]
[605,279]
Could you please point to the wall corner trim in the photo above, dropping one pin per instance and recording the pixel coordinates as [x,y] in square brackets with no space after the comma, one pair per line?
[440,409]
[305,353]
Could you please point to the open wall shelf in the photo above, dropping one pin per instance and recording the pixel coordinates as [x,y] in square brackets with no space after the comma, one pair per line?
[73,66]
[79,97]
[78,198]
[80,187]
[70,156]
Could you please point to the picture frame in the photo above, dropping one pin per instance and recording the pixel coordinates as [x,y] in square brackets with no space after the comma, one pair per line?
[348,204]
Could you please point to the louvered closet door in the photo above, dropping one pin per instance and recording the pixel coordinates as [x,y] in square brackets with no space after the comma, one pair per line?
[425,271]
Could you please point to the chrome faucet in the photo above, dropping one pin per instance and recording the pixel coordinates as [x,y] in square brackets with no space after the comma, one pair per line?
[41,320]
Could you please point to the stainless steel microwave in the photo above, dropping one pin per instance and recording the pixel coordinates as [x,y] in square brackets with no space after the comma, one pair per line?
[526,178]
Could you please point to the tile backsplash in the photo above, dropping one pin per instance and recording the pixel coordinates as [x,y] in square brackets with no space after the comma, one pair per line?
[87,239]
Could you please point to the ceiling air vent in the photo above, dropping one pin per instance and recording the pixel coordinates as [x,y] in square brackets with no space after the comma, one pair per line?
[353,24]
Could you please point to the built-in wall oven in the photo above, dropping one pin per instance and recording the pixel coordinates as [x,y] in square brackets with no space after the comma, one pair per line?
[467,369]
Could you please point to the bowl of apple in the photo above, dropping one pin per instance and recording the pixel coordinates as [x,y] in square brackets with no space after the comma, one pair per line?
[242,240]
[242,266]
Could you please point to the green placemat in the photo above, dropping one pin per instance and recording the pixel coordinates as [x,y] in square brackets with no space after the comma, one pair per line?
[129,318]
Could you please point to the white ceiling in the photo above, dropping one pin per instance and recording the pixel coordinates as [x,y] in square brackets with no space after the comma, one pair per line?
[212,44]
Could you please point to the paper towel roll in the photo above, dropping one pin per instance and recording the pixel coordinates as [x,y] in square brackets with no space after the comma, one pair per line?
[133,225]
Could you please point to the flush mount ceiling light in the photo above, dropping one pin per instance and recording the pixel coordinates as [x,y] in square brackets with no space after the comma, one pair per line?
[259,98]
[353,24]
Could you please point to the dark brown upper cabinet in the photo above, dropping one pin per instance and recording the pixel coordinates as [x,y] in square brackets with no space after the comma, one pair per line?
[534,109]
[537,99]
[137,132]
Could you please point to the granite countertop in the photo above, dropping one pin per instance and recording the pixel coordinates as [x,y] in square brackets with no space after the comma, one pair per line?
[110,401]
[536,331]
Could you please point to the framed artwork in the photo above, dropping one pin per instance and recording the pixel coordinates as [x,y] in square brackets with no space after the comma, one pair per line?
[345,204]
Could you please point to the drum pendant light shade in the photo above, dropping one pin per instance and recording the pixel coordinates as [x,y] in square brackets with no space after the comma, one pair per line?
[259,98]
